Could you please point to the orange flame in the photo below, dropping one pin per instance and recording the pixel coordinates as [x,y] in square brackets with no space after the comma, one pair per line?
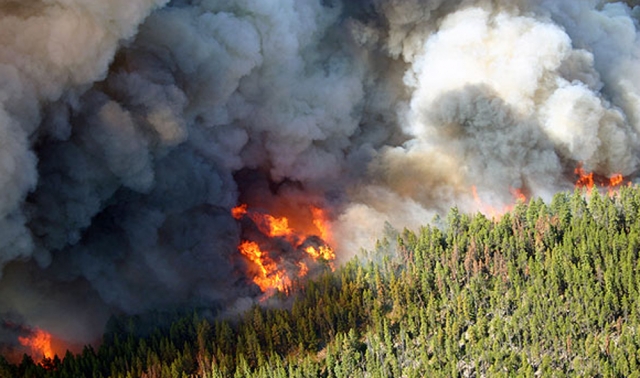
[517,194]
[272,226]
[239,211]
[39,342]
[325,252]
[616,180]
[590,180]
[320,221]
[321,252]
[585,180]
[267,224]
[271,276]
[304,269]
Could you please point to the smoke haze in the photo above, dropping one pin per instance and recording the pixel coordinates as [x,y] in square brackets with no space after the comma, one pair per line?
[129,129]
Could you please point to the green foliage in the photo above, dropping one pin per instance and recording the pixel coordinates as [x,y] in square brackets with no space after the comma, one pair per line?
[549,290]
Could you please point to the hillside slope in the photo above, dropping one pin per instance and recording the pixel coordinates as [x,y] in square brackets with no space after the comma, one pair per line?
[548,289]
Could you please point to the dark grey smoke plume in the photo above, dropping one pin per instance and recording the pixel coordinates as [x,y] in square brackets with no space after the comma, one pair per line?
[129,129]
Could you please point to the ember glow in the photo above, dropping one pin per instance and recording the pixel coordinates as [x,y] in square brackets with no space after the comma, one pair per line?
[274,271]
[39,342]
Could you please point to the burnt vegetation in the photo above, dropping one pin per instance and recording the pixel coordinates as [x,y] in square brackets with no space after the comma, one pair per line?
[548,289]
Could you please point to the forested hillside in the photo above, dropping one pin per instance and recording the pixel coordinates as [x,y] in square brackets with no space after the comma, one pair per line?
[548,289]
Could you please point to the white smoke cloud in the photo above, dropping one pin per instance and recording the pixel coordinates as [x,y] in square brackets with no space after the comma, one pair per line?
[128,130]
[507,98]
[502,97]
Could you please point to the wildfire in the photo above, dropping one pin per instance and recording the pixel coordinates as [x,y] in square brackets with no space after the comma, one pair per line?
[272,226]
[239,211]
[517,194]
[273,273]
[39,342]
[320,221]
[269,277]
[590,180]
[304,269]
[268,224]
[585,180]
[321,252]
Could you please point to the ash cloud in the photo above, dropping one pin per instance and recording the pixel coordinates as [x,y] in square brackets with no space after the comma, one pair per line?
[129,129]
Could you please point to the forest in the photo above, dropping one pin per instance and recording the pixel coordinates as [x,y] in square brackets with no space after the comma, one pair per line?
[547,289]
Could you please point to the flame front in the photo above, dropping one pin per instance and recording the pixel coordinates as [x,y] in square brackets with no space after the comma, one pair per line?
[585,180]
[39,342]
[269,276]
[590,180]
[272,274]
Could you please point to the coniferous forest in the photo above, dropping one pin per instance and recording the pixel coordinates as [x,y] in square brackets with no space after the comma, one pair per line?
[546,290]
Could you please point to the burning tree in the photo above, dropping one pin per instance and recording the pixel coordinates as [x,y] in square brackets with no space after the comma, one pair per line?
[280,253]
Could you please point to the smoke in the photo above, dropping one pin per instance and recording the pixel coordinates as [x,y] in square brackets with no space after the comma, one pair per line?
[503,98]
[129,129]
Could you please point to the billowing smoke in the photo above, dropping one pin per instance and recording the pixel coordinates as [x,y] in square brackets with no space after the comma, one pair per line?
[129,129]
